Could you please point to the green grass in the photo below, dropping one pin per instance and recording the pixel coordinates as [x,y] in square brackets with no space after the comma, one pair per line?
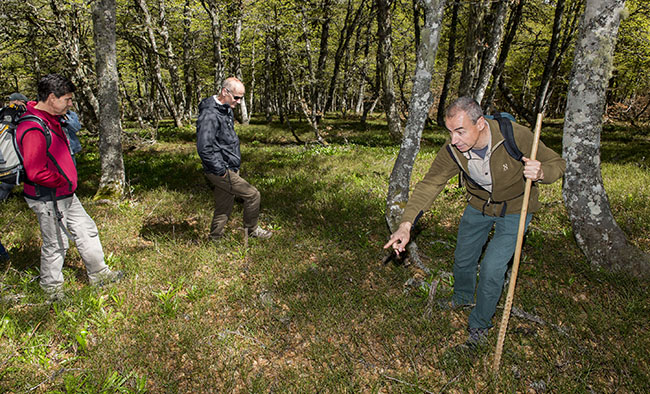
[313,308]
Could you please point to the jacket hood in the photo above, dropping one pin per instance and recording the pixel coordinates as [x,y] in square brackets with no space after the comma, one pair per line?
[210,102]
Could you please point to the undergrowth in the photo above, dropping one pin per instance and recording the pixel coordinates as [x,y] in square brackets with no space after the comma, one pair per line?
[313,308]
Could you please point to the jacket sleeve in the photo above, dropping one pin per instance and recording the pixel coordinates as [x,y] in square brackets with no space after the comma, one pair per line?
[34,151]
[553,165]
[441,171]
[207,128]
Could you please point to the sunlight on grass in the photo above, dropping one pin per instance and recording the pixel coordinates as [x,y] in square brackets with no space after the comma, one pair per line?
[313,308]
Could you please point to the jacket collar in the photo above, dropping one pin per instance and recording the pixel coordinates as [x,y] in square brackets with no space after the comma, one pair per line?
[52,121]
[495,131]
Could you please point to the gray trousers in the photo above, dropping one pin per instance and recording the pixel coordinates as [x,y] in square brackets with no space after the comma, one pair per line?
[225,189]
[55,242]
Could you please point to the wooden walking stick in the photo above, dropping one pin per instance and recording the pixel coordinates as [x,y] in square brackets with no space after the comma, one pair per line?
[517,256]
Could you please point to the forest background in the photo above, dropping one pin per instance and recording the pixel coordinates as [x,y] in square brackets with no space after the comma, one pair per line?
[323,79]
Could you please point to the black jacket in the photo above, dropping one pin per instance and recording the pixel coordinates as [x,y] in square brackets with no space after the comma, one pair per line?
[216,141]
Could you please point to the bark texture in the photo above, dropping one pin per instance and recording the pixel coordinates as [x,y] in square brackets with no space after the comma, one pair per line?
[492,49]
[212,9]
[596,231]
[111,185]
[451,65]
[421,101]
[385,67]
[474,42]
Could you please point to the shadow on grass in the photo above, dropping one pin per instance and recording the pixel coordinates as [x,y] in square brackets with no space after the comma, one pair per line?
[170,228]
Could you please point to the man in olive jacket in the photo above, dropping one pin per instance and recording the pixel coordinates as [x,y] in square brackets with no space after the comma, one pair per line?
[218,146]
[494,183]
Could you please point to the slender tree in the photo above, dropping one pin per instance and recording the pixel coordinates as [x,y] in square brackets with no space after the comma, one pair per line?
[155,61]
[596,231]
[474,42]
[111,184]
[385,67]
[561,36]
[500,11]
[421,101]
[497,72]
[170,63]
[212,9]
[451,64]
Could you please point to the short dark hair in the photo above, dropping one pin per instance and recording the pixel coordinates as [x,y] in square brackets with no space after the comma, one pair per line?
[466,104]
[54,83]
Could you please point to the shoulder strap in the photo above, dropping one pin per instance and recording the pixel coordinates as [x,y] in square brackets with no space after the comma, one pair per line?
[505,125]
[48,139]
[45,129]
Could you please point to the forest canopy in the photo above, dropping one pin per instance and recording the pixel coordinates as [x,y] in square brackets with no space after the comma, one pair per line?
[323,54]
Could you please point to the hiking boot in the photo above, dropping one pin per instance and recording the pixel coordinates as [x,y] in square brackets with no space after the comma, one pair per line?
[260,233]
[477,338]
[105,278]
[448,303]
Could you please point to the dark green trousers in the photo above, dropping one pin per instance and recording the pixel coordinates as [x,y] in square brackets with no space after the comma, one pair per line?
[225,189]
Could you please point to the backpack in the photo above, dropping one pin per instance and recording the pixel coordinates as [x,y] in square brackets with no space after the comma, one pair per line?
[11,160]
[505,125]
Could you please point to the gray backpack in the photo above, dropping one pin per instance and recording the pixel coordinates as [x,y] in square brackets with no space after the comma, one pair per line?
[11,160]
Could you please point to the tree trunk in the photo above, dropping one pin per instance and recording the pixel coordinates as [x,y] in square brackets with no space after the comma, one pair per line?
[473,45]
[497,72]
[522,112]
[268,96]
[251,93]
[385,67]
[319,87]
[236,15]
[111,185]
[211,8]
[188,55]
[170,64]
[560,40]
[67,30]
[600,238]
[344,41]
[363,75]
[155,61]
[451,65]
[492,50]
[421,101]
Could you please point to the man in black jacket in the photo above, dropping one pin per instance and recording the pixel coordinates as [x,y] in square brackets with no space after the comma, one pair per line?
[218,146]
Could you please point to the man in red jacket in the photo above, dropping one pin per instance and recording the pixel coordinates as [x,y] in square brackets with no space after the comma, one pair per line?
[50,189]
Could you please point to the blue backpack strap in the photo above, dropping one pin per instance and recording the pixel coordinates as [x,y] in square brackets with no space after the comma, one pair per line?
[505,125]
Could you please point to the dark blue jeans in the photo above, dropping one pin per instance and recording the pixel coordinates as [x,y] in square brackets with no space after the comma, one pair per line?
[473,232]
[3,252]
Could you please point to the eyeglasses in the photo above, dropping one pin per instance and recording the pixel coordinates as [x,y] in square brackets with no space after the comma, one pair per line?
[237,98]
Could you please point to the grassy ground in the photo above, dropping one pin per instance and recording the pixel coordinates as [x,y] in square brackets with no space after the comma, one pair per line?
[314,308]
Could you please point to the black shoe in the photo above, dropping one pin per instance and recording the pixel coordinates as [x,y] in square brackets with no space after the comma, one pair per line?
[477,338]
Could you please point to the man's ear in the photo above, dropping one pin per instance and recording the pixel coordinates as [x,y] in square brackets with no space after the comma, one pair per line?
[481,122]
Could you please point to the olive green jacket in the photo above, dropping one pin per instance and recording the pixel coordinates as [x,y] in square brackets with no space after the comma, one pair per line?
[508,181]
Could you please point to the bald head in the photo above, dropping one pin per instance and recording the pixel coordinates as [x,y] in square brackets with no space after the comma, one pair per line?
[232,91]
